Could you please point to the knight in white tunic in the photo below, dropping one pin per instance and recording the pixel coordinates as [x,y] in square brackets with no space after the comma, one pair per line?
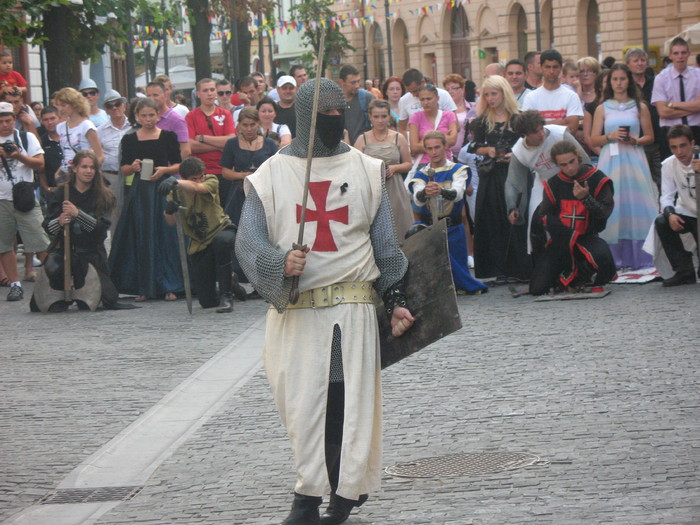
[322,354]
[530,163]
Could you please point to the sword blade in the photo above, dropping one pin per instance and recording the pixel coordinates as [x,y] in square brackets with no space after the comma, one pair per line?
[183,259]
[294,292]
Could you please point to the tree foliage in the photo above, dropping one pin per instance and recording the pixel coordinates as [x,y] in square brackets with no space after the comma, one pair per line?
[309,13]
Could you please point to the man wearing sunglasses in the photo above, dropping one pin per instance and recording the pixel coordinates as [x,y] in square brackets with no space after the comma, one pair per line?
[225,96]
[110,134]
[209,128]
[89,90]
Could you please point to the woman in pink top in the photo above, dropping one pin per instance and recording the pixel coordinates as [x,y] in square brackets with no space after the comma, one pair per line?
[430,118]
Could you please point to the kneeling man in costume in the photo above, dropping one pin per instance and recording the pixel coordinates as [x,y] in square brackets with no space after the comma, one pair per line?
[211,232]
[679,205]
[575,207]
[438,190]
[321,353]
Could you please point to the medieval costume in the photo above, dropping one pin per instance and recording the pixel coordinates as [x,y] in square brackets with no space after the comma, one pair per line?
[575,255]
[212,239]
[88,233]
[454,179]
[322,354]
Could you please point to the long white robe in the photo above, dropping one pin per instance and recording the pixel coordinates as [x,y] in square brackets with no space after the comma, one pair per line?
[297,349]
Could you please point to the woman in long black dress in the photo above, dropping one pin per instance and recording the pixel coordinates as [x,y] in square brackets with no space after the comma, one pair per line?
[242,155]
[499,250]
[144,260]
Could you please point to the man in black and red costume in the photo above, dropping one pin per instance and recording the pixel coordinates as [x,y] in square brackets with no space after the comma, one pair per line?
[575,208]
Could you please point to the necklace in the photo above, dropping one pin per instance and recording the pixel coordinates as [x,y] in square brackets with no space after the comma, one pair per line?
[378,140]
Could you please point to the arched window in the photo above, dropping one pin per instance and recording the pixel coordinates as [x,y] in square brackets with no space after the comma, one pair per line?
[593,28]
[378,52]
[459,40]
[521,30]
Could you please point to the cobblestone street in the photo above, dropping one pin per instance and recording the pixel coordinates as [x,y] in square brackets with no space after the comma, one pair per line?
[605,392]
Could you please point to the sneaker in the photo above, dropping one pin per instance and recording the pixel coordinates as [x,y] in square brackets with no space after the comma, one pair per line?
[470,261]
[16,293]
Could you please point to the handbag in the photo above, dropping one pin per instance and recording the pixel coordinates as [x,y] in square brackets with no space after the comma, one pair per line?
[23,198]
[485,165]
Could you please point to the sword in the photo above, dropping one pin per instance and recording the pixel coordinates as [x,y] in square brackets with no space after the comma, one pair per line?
[183,257]
[299,245]
[432,201]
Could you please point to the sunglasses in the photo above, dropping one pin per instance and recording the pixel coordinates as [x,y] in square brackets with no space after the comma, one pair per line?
[112,105]
[222,93]
[90,93]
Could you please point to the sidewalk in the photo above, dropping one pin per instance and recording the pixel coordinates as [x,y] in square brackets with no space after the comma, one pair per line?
[604,391]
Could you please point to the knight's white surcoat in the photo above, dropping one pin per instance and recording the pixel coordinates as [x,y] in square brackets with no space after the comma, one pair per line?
[345,194]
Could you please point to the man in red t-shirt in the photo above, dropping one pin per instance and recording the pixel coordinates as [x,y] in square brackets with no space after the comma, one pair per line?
[209,128]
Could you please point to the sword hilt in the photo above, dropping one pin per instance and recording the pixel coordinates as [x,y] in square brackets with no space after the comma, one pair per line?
[294,292]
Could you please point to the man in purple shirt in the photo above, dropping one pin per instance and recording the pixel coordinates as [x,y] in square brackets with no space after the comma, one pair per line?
[676,93]
[170,120]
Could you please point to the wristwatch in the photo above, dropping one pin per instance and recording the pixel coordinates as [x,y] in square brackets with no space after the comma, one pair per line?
[669,105]
[201,138]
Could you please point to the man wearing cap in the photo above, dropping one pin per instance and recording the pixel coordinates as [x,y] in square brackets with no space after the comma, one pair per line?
[110,134]
[18,165]
[287,89]
[89,90]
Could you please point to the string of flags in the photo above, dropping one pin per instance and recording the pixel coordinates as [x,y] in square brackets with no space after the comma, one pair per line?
[355,19]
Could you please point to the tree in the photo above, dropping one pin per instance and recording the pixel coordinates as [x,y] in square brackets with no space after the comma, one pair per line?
[70,32]
[157,16]
[309,13]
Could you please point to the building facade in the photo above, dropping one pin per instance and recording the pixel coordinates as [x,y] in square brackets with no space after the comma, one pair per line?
[463,36]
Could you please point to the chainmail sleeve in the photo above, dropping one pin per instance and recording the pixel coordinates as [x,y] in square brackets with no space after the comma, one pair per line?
[262,263]
[391,261]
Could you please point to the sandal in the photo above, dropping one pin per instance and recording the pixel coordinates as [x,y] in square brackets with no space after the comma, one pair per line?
[4,281]
[170,296]
[140,298]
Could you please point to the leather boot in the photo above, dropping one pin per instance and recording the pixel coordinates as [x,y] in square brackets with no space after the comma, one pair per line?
[339,509]
[682,277]
[304,510]
[223,276]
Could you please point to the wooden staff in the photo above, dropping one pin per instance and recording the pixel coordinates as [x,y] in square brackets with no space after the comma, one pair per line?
[67,278]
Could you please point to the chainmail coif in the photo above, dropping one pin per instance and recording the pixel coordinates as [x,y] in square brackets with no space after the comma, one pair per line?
[330,97]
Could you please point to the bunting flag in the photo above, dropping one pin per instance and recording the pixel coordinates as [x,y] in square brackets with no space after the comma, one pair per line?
[151,35]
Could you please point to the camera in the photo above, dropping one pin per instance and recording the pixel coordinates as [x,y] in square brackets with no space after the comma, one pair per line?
[9,147]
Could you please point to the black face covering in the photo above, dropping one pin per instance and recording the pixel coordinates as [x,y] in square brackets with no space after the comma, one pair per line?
[329,129]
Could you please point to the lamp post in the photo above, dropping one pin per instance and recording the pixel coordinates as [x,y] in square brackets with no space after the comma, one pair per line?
[537,26]
[645,32]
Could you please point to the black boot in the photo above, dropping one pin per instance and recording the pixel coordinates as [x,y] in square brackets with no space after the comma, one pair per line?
[681,277]
[223,276]
[339,509]
[304,511]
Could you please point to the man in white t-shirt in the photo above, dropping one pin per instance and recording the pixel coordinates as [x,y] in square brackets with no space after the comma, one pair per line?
[18,163]
[410,103]
[557,104]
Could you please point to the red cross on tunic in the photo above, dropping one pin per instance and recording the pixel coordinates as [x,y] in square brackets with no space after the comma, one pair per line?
[324,238]
[573,220]
[544,161]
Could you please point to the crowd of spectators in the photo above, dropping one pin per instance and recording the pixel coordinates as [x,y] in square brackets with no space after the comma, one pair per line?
[619,116]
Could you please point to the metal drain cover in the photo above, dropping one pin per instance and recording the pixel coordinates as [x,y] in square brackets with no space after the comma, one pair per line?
[90,495]
[462,465]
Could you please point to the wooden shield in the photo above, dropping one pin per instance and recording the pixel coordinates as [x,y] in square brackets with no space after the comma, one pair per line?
[430,294]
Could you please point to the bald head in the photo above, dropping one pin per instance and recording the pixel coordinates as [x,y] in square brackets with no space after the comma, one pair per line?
[493,69]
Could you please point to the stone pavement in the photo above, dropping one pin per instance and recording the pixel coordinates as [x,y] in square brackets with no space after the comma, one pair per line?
[604,391]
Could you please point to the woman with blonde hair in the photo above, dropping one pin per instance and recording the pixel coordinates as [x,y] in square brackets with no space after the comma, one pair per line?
[499,250]
[588,71]
[76,132]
